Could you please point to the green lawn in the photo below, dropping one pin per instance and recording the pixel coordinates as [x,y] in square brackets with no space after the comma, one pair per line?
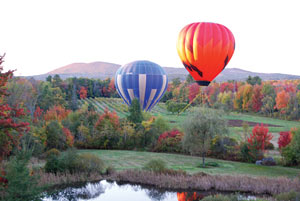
[122,160]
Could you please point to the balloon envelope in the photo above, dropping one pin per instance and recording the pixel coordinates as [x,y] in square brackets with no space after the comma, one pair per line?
[205,49]
[144,80]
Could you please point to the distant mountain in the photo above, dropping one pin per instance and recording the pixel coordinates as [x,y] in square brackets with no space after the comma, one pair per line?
[102,70]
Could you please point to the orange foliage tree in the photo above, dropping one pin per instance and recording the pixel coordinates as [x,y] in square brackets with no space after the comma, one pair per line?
[83,93]
[282,100]
[56,113]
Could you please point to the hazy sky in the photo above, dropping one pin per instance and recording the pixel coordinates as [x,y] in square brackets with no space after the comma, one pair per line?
[39,36]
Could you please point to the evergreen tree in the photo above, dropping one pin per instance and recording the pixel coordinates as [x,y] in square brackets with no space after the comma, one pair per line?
[135,112]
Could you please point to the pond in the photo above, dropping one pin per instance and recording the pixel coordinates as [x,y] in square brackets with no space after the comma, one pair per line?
[111,191]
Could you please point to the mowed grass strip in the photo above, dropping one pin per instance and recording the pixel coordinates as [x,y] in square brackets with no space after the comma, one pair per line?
[122,160]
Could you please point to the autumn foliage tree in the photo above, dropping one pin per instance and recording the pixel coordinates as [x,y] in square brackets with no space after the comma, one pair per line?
[282,100]
[258,140]
[83,93]
[11,127]
[257,98]
[284,139]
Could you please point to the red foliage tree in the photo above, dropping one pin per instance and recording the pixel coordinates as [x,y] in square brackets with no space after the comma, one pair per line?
[83,93]
[9,116]
[284,139]
[170,134]
[38,113]
[193,91]
[257,98]
[259,138]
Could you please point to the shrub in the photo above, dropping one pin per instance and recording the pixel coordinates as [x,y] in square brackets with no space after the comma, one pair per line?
[291,153]
[51,152]
[169,141]
[208,164]
[245,154]
[284,139]
[65,162]
[156,165]
[224,147]
[270,146]
[220,197]
[89,163]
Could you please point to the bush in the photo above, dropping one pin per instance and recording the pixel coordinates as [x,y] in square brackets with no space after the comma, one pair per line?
[245,153]
[220,197]
[72,162]
[156,165]
[208,165]
[224,148]
[169,141]
[270,146]
[65,162]
[51,152]
[290,196]
[291,153]
[89,163]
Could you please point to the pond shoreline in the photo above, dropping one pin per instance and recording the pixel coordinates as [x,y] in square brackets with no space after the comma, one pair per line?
[260,186]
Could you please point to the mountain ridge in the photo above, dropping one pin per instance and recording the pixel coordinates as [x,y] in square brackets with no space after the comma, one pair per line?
[103,70]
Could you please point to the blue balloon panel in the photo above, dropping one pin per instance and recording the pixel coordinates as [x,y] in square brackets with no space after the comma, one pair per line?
[144,80]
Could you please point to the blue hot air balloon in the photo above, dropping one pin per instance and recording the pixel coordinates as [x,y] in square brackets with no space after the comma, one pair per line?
[144,80]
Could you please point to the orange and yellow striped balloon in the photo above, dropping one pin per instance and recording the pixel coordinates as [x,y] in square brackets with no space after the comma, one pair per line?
[205,49]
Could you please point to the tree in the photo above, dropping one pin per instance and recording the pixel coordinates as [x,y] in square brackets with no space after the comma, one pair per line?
[11,126]
[256,98]
[175,107]
[55,136]
[282,100]
[253,80]
[247,94]
[189,79]
[135,112]
[258,140]
[56,81]
[194,90]
[176,82]
[200,128]
[21,185]
[83,93]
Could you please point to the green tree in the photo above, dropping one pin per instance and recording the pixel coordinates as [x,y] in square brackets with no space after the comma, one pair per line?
[49,78]
[174,107]
[253,80]
[21,184]
[135,112]
[200,128]
[55,137]
[176,82]
[56,81]
[189,79]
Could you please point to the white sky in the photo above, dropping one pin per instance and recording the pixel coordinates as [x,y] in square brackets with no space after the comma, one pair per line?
[39,36]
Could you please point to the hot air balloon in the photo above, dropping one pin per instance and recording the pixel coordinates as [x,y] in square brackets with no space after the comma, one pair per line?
[205,49]
[144,80]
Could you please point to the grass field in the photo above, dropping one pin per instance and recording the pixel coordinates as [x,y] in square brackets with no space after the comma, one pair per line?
[122,160]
